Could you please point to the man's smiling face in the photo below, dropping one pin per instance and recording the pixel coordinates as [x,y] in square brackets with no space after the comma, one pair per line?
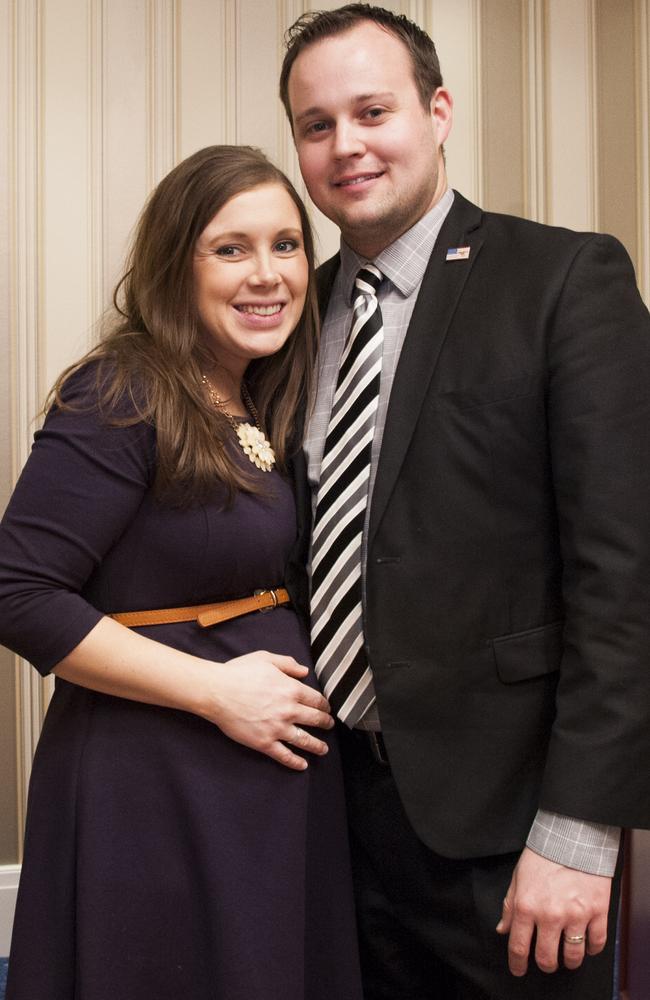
[369,152]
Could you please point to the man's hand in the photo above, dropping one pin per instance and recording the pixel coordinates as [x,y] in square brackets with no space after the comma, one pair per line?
[557,903]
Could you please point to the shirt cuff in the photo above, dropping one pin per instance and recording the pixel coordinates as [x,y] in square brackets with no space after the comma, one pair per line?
[575,843]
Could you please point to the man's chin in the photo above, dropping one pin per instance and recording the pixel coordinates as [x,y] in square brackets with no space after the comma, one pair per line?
[372,231]
[362,218]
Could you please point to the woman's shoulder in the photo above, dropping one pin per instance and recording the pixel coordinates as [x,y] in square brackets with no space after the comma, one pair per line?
[98,386]
[99,411]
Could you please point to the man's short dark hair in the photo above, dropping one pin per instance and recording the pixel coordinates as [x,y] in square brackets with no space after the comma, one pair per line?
[318,24]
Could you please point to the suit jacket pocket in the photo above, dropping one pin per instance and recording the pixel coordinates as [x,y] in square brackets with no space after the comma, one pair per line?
[485,394]
[533,653]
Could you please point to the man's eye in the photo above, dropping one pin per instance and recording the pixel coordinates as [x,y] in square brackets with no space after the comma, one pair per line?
[316,127]
[374,113]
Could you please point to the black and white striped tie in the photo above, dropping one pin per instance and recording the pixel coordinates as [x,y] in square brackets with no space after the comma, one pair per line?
[336,609]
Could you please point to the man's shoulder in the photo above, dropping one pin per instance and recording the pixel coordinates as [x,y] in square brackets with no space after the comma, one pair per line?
[505,238]
[528,231]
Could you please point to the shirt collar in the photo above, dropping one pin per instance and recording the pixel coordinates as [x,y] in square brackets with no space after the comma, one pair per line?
[404,261]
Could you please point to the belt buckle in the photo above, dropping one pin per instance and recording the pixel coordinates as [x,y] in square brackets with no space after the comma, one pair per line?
[378,747]
[258,593]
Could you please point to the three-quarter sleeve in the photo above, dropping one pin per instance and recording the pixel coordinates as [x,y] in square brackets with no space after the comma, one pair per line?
[80,488]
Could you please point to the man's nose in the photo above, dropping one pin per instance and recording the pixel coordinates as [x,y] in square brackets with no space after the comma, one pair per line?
[348,141]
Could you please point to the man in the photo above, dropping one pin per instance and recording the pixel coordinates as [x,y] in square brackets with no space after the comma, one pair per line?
[478,455]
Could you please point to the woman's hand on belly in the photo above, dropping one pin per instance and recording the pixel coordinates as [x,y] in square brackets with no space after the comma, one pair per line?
[259,700]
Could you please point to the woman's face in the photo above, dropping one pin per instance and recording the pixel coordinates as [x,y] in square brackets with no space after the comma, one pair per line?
[250,276]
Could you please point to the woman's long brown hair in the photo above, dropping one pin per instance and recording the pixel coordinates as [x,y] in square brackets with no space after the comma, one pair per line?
[152,352]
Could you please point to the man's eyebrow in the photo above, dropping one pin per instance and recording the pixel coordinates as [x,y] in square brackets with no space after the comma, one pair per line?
[317,112]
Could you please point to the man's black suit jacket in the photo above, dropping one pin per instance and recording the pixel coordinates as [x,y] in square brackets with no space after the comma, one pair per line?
[508,570]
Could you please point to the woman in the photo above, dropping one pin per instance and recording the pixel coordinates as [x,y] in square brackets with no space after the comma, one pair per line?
[185,831]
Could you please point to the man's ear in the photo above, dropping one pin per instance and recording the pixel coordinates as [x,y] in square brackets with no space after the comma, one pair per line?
[442,113]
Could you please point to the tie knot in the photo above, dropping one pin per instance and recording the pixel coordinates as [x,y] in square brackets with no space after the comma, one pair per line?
[368,279]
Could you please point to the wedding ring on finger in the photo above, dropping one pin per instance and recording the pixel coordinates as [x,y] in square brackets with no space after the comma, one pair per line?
[299,735]
[574,938]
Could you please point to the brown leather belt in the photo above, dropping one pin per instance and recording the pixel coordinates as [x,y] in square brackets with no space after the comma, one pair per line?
[206,614]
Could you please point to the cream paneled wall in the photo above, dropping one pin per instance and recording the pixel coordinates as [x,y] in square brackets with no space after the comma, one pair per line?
[100,98]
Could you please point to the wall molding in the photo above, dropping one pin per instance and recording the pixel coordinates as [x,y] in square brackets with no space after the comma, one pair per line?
[231,88]
[288,12]
[591,112]
[32,693]
[534,111]
[642,32]
[418,11]
[478,90]
[26,173]
[162,98]
[9,876]
[97,188]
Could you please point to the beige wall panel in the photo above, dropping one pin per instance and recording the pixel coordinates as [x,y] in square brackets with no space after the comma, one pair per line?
[26,172]
[534,109]
[26,182]
[202,80]
[67,315]
[288,12]
[455,26]
[258,70]
[333,4]
[6,214]
[571,111]
[617,138]
[8,775]
[503,125]
[162,109]
[122,172]
[642,63]
[8,761]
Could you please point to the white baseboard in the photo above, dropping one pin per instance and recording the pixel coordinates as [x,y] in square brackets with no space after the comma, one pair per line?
[9,875]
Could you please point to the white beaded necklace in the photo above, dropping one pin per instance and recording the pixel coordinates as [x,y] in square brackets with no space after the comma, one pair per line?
[252,440]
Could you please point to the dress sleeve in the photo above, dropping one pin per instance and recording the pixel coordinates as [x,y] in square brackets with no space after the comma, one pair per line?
[81,487]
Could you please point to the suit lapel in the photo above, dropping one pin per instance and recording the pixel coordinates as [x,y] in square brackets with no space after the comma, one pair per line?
[325,276]
[439,294]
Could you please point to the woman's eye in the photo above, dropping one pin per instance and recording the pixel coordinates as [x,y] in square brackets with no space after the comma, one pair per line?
[285,246]
[228,251]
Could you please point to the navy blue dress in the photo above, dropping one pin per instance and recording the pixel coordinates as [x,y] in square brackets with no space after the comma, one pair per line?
[162,859]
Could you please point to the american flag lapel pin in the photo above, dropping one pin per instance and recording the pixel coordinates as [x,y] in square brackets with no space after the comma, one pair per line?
[457,253]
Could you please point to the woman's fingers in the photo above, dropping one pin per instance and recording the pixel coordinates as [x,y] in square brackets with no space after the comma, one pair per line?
[281,753]
[286,664]
[313,717]
[306,741]
[306,695]
[260,700]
